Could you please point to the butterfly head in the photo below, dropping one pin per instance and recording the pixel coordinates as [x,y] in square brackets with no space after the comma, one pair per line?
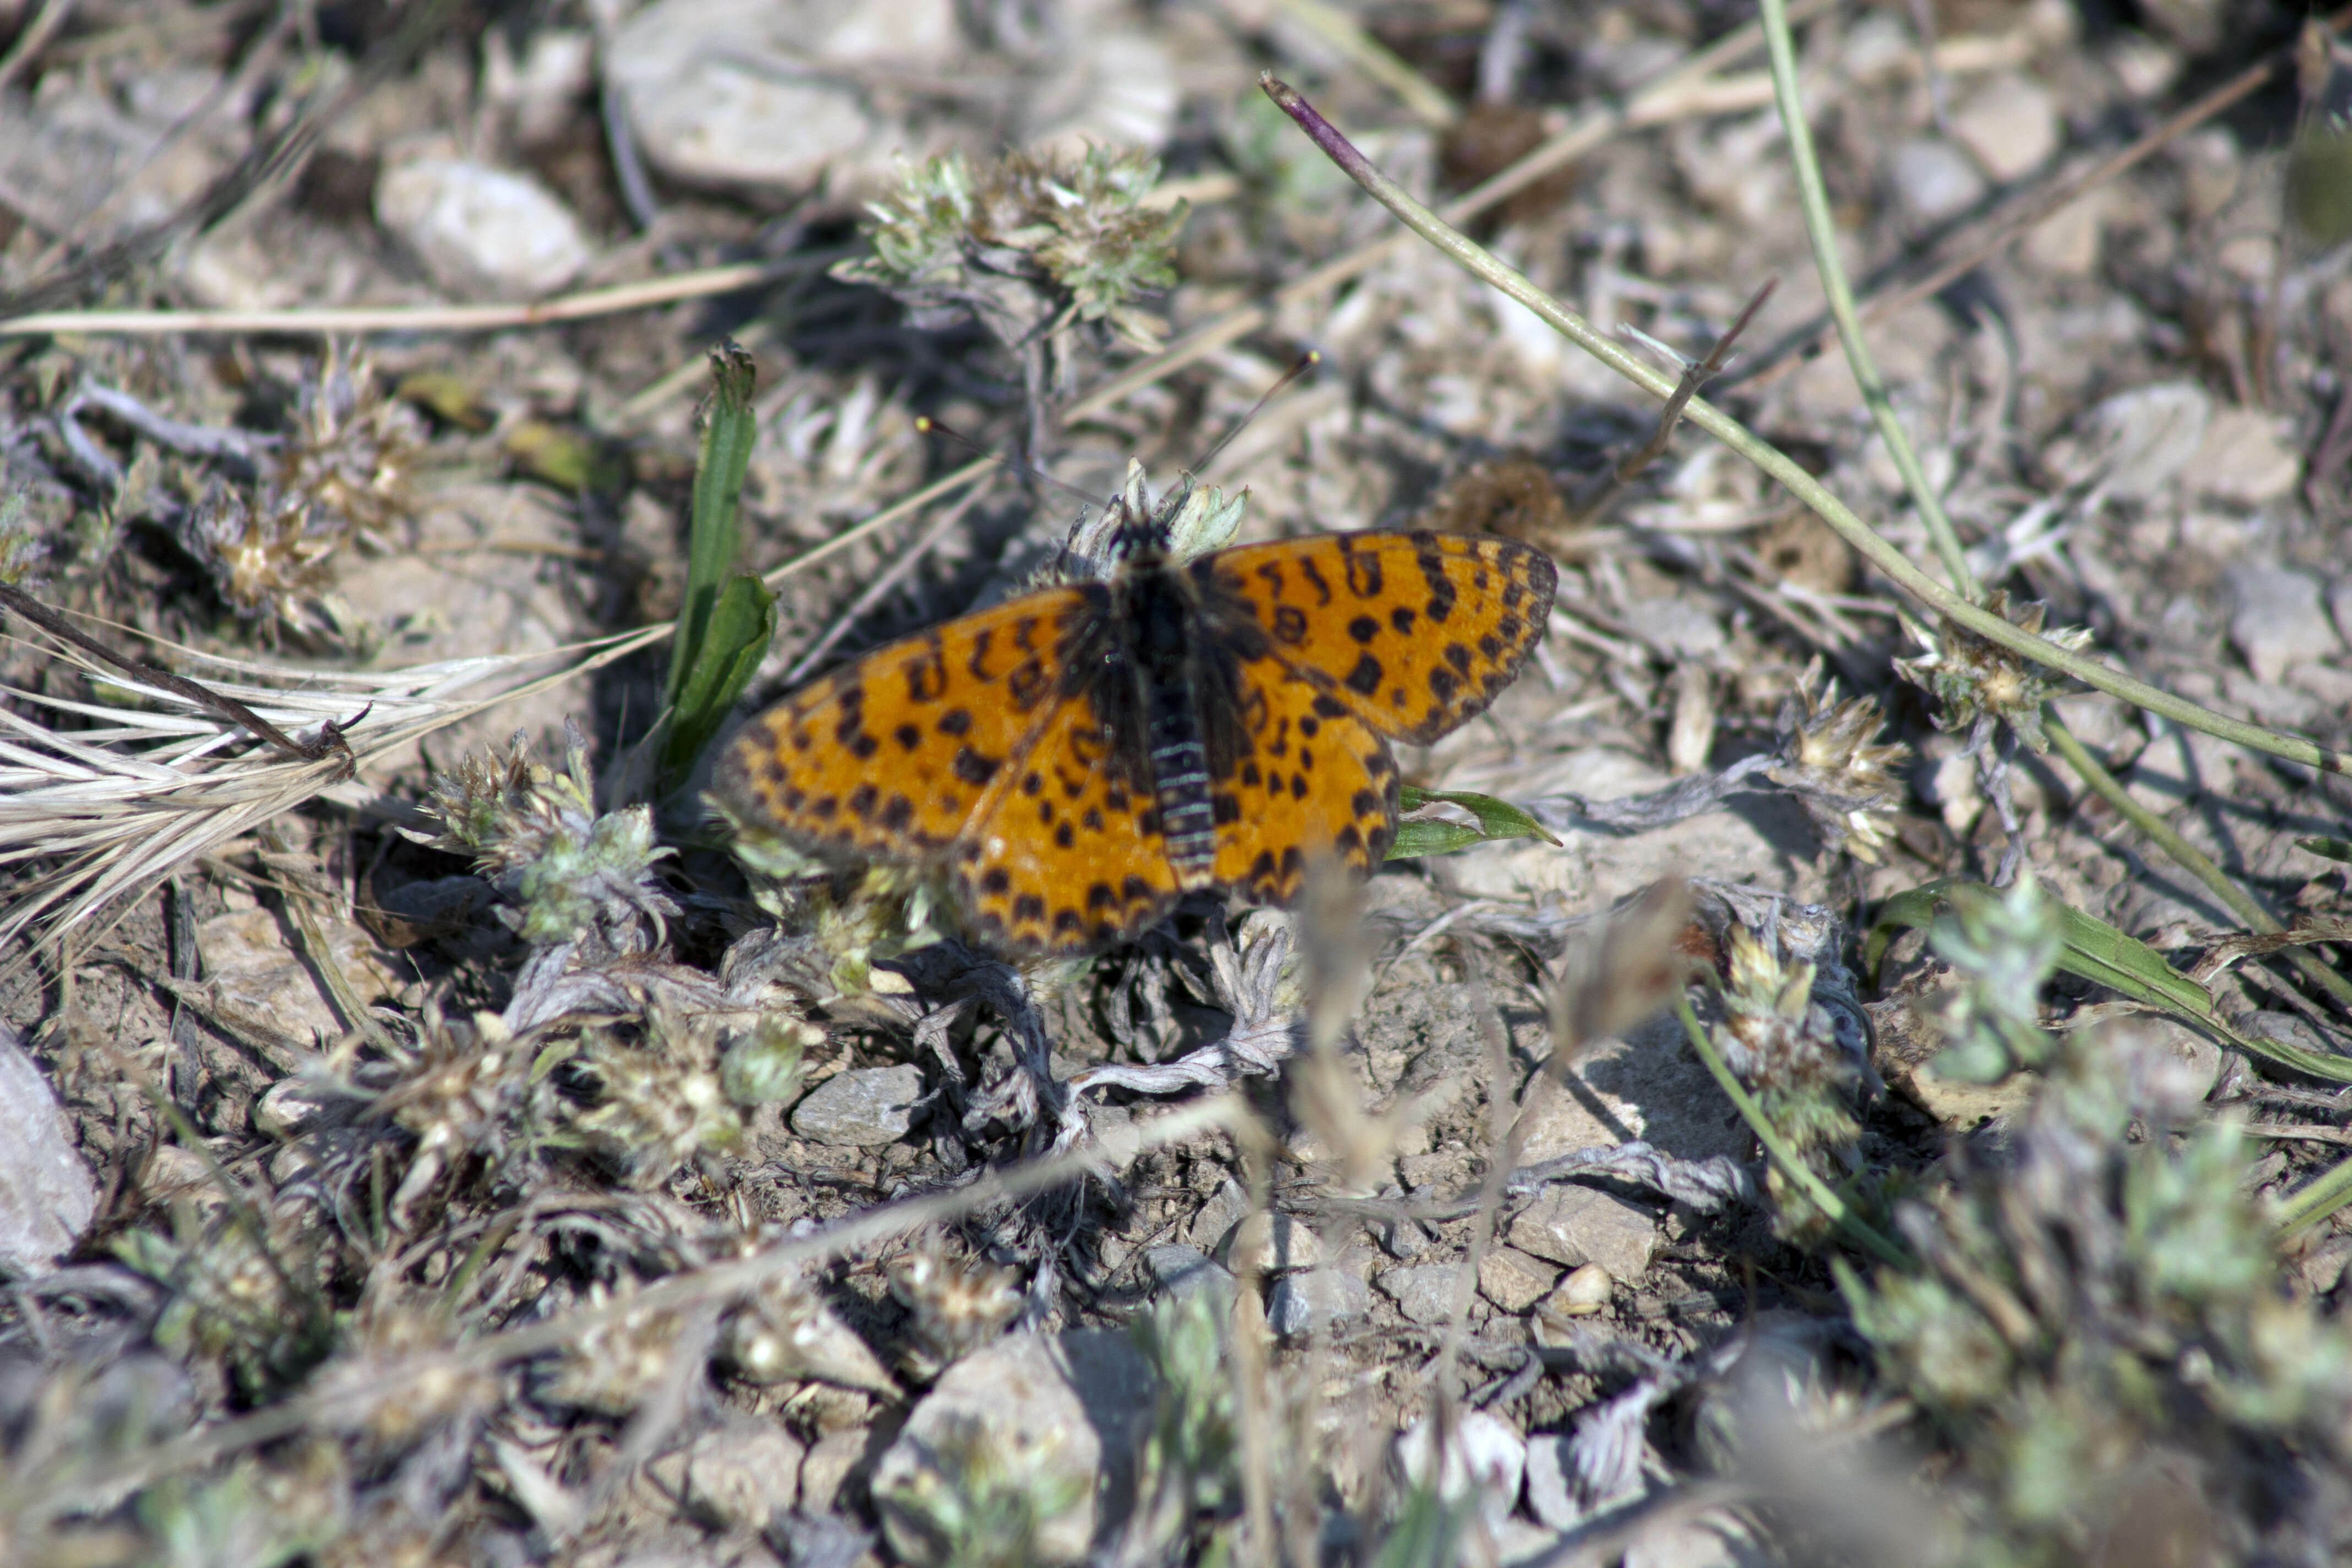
[1132,529]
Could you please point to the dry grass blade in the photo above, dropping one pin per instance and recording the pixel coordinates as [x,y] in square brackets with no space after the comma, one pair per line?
[156,781]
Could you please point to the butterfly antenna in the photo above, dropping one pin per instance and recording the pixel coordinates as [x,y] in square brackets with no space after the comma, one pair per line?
[927,426]
[1306,362]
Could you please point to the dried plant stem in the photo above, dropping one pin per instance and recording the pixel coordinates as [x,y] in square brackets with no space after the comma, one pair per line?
[1813,201]
[1375,59]
[33,37]
[2316,1199]
[1816,1191]
[331,741]
[2187,856]
[1695,375]
[47,1497]
[1673,94]
[588,303]
[1897,567]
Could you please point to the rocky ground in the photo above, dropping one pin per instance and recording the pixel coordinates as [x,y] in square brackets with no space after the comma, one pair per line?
[435,1146]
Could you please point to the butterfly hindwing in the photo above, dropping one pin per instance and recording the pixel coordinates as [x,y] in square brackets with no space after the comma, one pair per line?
[894,755]
[1414,633]
[1316,784]
[1068,855]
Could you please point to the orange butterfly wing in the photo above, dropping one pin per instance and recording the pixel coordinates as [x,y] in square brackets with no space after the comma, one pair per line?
[1414,633]
[1316,783]
[1068,855]
[895,754]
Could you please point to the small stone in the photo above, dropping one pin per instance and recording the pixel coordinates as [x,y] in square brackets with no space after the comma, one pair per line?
[481,232]
[259,980]
[770,96]
[1223,1211]
[1315,1299]
[2145,437]
[2009,124]
[738,1476]
[1676,628]
[1550,1497]
[1403,1239]
[2331,686]
[1716,1538]
[2144,69]
[294,1105]
[1573,1225]
[1269,1243]
[1422,1292]
[2276,619]
[1041,1409]
[47,1196]
[863,1108]
[1584,1292]
[2242,459]
[1483,1454]
[1934,180]
[830,1463]
[1184,1271]
[1513,1280]
[2066,243]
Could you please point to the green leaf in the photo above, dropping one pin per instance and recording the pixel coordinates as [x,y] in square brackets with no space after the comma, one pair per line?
[2327,848]
[1498,820]
[2101,953]
[734,643]
[727,433]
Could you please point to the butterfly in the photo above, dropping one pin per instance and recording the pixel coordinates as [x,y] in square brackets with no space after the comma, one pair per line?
[1075,759]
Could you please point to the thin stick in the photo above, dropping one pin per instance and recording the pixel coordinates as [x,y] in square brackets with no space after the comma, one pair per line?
[35,37]
[2187,856]
[1694,377]
[1893,563]
[1375,59]
[577,307]
[1820,230]
[331,737]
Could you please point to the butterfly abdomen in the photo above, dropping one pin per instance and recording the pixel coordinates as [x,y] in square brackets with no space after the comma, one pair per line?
[1167,647]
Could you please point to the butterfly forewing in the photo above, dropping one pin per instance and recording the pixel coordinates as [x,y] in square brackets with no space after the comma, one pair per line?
[895,754]
[1413,632]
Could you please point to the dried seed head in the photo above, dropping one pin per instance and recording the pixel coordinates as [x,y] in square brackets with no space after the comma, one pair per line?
[786,1334]
[658,1109]
[1783,1044]
[612,1368]
[537,835]
[353,450]
[342,476]
[764,1062]
[1026,245]
[953,1307]
[1980,682]
[1845,783]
